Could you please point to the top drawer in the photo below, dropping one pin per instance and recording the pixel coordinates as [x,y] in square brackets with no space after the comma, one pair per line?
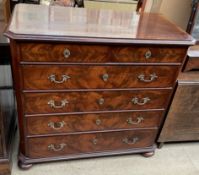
[37,52]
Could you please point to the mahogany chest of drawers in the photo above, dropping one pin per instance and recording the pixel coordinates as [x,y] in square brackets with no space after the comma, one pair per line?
[89,87]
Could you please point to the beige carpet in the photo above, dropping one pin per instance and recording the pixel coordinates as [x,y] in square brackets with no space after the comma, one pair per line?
[172,159]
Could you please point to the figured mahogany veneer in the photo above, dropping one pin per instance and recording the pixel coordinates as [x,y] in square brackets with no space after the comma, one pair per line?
[92,122]
[41,103]
[89,143]
[97,77]
[91,82]
[100,53]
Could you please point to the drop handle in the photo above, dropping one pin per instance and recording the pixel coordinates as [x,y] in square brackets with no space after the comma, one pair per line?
[130,141]
[56,148]
[138,121]
[56,125]
[147,79]
[53,79]
[140,102]
[52,104]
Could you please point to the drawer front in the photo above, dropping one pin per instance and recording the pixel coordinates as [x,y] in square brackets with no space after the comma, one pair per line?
[77,77]
[89,143]
[99,54]
[92,122]
[36,103]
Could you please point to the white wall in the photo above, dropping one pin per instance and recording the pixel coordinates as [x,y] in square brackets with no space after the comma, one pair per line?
[177,10]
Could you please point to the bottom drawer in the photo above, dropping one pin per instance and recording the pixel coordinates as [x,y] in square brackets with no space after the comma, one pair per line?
[89,143]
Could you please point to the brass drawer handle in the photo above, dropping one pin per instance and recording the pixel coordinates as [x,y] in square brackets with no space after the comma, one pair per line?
[141,102]
[98,122]
[101,101]
[52,104]
[94,141]
[56,125]
[131,122]
[57,148]
[130,141]
[66,53]
[52,78]
[148,54]
[105,77]
[152,77]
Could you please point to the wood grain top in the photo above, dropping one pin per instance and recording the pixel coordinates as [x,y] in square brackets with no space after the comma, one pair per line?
[39,22]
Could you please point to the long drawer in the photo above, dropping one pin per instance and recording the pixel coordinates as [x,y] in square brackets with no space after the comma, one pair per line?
[81,77]
[89,143]
[41,103]
[92,122]
[68,53]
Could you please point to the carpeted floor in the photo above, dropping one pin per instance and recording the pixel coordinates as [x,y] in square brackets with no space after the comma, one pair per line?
[172,159]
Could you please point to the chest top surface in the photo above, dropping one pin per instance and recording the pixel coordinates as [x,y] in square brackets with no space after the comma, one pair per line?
[39,22]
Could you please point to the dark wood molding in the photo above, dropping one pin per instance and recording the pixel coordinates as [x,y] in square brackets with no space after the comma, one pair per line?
[97,40]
